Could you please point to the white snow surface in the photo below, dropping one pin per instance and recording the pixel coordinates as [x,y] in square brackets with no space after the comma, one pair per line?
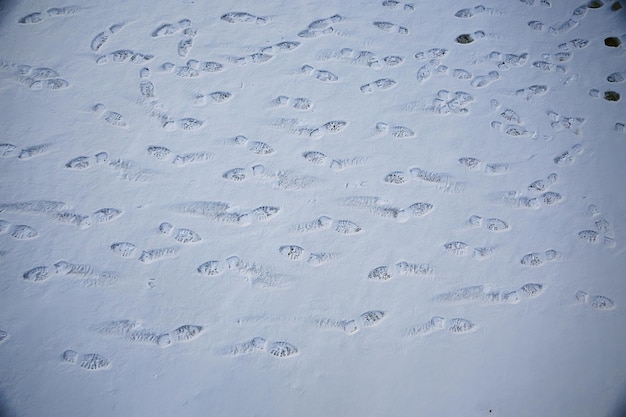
[312,208]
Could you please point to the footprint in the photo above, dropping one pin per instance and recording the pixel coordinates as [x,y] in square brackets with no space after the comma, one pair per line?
[101,38]
[536,259]
[181,334]
[88,274]
[461,74]
[577,43]
[508,61]
[391,27]
[543,3]
[256,58]
[593,237]
[347,227]
[568,157]
[598,302]
[361,58]
[124,249]
[461,326]
[23,232]
[298,103]
[257,274]
[32,18]
[466,38]
[216,97]
[256,147]
[83,162]
[436,323]
[296,127]
[513,130]
[88,361]
[318,224]
[281,47]
[482,81]
[311,33]
[6,149]
[543,184]
[184,47]
[184,159]
[378,85]
[159,152]
[396,131]
[442,181]
[468,13]
[33,151]
[532,290]
[577,15]
[123,56]
[34,207]
[3,336]
[346,326]
[319,158]
[396,5]
[111,117]
[403,268]
[128,171]
[549,67]
[153,255]
[616,77]
[186,236]
[325,22]
[492,224]
[210,268]
[433,67]
[377,207]
[297,253]
[256,344]
[73,219]
[106,215]
[321,27]
[420,209]
[278,349]
[169,29]
[4,226]
[515,199]
[321,75]
[491,168]
[457,248]
[216,211]
[281,349]
[530,92]
[37,274]
[372,318]
[37,17]
[243,17]
[133,331]
[478,294]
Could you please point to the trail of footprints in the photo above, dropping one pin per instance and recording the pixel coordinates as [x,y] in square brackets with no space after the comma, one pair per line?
[429,62]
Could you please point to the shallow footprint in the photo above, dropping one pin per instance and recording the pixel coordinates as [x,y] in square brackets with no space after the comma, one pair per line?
[87,361]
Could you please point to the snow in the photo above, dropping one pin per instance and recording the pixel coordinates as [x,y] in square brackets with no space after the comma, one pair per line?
[312,208]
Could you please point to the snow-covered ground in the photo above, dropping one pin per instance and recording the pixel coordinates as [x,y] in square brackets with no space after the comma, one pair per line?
[312,208]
